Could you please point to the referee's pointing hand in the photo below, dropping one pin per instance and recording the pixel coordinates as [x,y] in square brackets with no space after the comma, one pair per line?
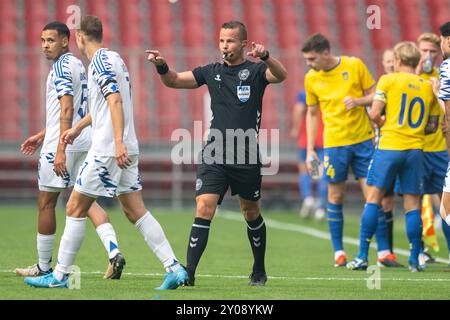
[258,50]
[155,58]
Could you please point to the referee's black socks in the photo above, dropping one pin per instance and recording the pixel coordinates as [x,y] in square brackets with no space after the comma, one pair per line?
[390,228]
[256,231]
[197,243]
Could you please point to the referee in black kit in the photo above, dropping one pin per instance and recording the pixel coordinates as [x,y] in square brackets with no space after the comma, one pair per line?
[236,87]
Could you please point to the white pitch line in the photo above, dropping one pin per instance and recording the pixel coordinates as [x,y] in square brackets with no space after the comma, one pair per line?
[133,274]
[229,215]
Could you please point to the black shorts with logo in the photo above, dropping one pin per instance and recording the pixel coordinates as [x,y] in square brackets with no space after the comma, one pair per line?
[216,178]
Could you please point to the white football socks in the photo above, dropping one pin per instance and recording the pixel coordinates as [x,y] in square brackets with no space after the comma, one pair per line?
[108,236]
[157,241]
[338,253]
[71,240]
[45,250]
[383,254]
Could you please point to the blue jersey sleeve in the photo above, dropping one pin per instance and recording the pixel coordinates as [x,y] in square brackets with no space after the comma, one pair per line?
[444,76]
[104,74]
[301,97]
[63,78]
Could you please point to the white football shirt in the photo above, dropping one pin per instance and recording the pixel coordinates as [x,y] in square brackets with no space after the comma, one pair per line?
[444,77]
[67,77]
[108,74]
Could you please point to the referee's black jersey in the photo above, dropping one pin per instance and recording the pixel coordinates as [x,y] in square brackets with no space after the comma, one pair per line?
[236,98]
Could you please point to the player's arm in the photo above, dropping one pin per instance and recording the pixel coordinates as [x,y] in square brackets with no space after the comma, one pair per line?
[447,125]
[432,124]
[70,135]
[275,72]
[436,85]
[171,78]
[65,123]
[366,100]
[367,85]
[312,126]
[115,106]
[31,144]
[298,113]
[379,103]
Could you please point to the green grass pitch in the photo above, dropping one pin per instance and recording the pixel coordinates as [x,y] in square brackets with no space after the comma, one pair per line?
[299,262]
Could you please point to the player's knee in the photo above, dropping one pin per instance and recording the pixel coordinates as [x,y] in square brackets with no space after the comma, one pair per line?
[250,214]
[336,197]
[205,210]
[73,210]
[46,205]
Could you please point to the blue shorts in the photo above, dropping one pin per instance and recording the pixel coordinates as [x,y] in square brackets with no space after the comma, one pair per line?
[407,166]
[302,154]
[435,170]
[338,160]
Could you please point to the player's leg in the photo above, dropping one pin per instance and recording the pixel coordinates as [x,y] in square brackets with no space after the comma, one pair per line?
[107,235]
[100,221]
[71,240]
[50,185]
[413,221]
[322,193]
[386,257]
[336,165]
[206,205]
[247,184]
[305,186]
[45,236]
[46,228]
[129,193]
[411,184]
[256,232]
[368,227]
[388,207]
[134,208]
[210,186]
[446,231]
[362,155]
[379,176]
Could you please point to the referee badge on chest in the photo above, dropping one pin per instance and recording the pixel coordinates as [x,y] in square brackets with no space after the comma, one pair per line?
[243,93]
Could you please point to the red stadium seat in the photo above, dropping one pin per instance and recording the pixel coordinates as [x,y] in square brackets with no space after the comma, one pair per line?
[222,11]
[130,23]
[438,13]
[287,24]
[161,15]
[36,17]
[101,8]
[317,17]
[409,10]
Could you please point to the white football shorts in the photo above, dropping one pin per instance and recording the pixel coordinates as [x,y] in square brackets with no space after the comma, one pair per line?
[47,179]
[100,176]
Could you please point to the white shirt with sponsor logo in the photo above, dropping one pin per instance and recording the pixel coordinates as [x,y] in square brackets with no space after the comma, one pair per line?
[67,77]
[108,74]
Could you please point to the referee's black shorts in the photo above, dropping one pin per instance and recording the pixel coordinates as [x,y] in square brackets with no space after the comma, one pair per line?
[216,178]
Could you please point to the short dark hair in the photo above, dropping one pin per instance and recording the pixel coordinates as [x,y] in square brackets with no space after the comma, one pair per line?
[317,42]
[445,29]
[236,24]
[60,27]
[92,27]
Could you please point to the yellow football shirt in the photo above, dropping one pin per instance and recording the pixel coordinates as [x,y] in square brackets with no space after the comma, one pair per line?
[409,102]
[328,89]
[435,142]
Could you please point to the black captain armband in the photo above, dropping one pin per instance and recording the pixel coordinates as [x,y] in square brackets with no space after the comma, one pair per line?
[162,69]
[265,56]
